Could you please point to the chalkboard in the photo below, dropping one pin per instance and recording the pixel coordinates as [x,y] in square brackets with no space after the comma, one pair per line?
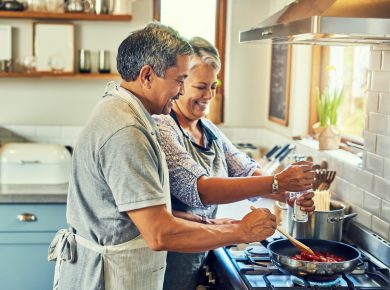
[280,84]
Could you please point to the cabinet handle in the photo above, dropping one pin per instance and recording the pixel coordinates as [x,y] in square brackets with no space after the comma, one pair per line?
[27,217]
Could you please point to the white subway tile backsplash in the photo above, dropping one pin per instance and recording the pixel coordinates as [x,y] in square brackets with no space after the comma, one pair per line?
[48,132]
[385,211]
[388,126]
[377,123]
[71,131]
[386,170]
[374,163]
[380,81]
[355,195]
[383,146]
[364,179]
[349,172]
[372,101]
[363,217]
[65,135]
[381,187]
[341,189]
[383,104]
[375,60]
[28,132]
[369,141]
[385,60]
[372,203]
[380,227]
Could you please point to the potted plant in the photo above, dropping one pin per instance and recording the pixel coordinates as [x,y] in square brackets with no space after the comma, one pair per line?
[328,105]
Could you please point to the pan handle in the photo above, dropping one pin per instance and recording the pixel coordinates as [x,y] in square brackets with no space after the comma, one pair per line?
[333,220]
[361,263]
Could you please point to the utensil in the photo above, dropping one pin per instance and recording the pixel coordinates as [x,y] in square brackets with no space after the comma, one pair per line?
[281,252]
[330,176]
[267,157]
[302,247]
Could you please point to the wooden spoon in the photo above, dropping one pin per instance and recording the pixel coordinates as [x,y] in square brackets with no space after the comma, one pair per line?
[302,247]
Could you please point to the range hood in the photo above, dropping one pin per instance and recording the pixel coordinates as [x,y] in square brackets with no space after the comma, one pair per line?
[332,22]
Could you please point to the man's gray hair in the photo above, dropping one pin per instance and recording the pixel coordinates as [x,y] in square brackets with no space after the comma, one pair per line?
[206,52]
[156,45]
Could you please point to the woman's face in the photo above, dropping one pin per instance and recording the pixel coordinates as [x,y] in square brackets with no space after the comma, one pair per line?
[199,89]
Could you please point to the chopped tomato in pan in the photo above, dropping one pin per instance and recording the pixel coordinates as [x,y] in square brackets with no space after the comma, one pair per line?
[318,257]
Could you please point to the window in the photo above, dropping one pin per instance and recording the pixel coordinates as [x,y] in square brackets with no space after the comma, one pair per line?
[350,69]
[204,18]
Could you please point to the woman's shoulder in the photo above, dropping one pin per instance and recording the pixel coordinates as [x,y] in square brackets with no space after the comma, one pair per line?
[212,127]
[164,121]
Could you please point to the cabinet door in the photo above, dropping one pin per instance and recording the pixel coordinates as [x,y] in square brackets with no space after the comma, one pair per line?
[23,263]
[24,246]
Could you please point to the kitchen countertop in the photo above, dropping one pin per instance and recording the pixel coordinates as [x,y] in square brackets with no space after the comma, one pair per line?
[33,193]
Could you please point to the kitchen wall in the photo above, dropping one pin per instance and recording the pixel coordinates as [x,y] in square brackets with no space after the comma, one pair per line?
[63,101]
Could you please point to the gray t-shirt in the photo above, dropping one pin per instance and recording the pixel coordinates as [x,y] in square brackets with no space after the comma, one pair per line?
[117,167]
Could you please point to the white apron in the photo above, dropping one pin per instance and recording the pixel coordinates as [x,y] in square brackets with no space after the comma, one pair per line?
[131,265]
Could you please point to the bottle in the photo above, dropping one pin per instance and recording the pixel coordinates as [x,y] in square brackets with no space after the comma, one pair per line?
[298,215]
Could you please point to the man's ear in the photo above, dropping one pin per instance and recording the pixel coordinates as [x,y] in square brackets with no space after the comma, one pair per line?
[146,76]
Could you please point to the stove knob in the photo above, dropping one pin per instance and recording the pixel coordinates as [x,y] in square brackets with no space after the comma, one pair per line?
[206,270]
[211,279]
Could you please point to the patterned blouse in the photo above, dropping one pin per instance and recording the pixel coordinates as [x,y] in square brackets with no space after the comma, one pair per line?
[184,171]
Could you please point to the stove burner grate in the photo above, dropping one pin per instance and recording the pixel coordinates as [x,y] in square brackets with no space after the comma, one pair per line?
[307,283]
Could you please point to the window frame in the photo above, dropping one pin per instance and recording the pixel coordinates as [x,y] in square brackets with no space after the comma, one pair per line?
[220,44]
[320,60]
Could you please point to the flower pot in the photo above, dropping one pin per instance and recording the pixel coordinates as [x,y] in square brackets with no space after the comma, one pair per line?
[329,138]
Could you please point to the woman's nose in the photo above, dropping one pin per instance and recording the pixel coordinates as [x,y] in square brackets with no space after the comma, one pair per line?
[209,94]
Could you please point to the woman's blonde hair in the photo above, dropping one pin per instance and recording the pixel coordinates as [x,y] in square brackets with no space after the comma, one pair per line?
[206,52]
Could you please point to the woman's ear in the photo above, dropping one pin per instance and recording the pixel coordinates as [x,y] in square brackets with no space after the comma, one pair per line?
[146,76]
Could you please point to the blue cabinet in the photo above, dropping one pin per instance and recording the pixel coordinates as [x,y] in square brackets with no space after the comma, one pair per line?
[26,231]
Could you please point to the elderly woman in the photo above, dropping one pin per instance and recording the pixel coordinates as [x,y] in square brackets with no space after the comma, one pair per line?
[201,162]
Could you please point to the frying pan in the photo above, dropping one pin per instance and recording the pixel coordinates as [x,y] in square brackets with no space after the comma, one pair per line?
[281,252]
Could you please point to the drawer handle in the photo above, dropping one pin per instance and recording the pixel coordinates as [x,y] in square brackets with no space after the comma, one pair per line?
[27,217]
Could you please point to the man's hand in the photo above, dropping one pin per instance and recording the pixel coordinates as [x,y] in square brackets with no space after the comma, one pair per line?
[258,225]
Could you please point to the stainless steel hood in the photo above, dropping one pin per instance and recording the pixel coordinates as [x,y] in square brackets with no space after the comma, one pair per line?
[330,22]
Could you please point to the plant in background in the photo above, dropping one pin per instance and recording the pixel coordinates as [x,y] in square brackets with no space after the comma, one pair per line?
[328,105]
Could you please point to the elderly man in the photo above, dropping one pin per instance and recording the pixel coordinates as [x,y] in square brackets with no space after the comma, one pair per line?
[120,225]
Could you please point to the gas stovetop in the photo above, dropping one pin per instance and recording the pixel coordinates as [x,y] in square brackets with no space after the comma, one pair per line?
[257,271]
[248,266]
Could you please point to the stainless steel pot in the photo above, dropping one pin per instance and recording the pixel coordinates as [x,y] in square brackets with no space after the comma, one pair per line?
[326,225]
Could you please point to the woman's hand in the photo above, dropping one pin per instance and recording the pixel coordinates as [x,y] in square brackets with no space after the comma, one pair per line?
[305,201]
[258,225]
[296,177]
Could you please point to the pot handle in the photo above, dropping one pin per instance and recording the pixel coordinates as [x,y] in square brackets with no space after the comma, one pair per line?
[333,220]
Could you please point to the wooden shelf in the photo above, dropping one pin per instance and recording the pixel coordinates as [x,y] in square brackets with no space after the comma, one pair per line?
[76,76]
[64,16]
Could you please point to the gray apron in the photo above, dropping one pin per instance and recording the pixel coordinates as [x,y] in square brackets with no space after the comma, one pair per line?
[184,269]
[130,265]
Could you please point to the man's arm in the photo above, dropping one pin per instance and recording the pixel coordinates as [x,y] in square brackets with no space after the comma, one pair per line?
[162,231]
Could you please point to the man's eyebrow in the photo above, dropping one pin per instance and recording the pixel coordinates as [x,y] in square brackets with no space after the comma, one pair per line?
[182,76]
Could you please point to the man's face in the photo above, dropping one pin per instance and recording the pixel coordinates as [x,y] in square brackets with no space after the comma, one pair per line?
[171,86]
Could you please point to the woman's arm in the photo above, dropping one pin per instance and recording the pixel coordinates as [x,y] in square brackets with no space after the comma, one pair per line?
[191,185]
[202,219]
